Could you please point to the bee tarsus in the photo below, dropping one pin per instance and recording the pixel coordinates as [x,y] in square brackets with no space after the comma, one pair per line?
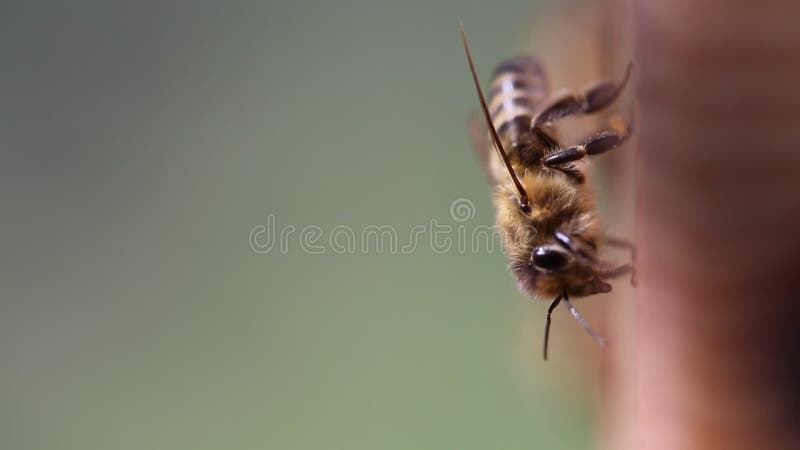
[614,241]
[591,99]
[595,145]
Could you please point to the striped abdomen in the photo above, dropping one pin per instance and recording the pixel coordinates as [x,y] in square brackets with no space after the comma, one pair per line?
[518,88]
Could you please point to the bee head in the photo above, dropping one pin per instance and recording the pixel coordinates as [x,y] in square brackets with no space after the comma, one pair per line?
[567,263]
[551,245]
[559,263]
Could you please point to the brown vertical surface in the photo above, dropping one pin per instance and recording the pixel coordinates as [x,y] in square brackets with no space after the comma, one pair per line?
[616,397]
[716,362]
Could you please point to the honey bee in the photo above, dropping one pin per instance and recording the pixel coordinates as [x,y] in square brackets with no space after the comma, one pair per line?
[544,205]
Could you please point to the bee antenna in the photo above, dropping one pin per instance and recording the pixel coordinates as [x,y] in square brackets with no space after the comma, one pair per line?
[547,324]
[523,196]
[574,311]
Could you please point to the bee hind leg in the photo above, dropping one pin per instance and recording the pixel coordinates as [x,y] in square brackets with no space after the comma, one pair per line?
[592,98]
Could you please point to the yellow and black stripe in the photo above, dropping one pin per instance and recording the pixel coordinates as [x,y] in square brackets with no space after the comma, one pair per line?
[518,88]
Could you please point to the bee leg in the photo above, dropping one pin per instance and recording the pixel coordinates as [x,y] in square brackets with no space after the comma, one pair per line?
[613,241]
[620,271]
[552,144]
[547,324]
[548,140]
[592,98]
[572,172]
[597,338]
[595,145]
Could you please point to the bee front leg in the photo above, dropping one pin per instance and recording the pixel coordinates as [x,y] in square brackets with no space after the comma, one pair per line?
[624,269]
[613,241]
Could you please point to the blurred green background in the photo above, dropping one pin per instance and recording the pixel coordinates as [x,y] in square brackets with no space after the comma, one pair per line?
[143,141]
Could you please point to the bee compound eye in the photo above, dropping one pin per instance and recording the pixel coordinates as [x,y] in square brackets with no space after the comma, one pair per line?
[549,258]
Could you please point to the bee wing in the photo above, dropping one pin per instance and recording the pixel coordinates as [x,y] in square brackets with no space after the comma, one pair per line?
[479,135]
